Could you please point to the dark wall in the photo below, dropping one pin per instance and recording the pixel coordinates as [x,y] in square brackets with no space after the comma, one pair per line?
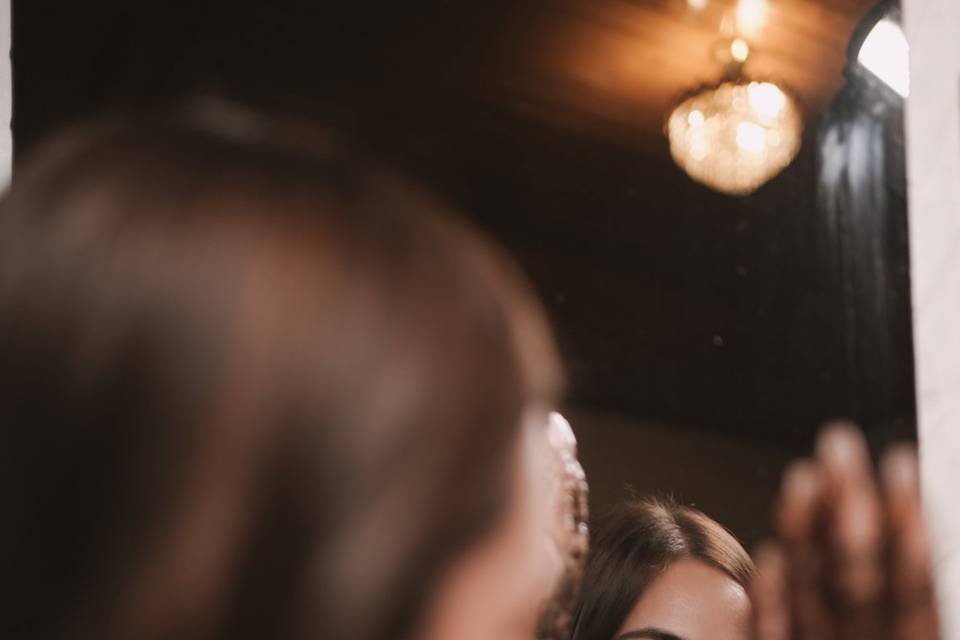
[731,478]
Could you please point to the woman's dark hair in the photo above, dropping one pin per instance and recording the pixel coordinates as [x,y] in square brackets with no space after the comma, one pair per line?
[250,387]
[634,544]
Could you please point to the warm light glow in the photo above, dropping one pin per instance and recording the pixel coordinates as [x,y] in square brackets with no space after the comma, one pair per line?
[886,54]
[751,137]
[699,150]
[751,16]
[766,99]
[735,136]
[739,50]
[697,5]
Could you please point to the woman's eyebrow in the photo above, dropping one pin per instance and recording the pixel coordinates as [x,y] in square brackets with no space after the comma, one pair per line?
[648,634]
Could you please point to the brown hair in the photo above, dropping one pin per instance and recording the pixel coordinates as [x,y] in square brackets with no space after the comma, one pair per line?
[249,388]
[633,544]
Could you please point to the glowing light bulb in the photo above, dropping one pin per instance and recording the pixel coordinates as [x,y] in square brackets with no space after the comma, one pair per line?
[722,138]
[699,150]
[886,54]
[697,5]
[751,137]
[739,50]
[699,145]
[766,99]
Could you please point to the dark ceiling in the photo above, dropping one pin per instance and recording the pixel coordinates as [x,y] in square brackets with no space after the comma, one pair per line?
[541,120]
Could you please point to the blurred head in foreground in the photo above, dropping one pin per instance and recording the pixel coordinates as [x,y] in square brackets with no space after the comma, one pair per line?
[254,388]
[660,571]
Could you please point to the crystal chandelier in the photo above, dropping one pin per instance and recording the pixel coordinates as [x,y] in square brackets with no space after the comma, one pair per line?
[736,135]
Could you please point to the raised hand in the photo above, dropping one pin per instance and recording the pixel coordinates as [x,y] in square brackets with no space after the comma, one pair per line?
[851,560]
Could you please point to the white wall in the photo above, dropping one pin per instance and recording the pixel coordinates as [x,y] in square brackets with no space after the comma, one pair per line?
[933,131]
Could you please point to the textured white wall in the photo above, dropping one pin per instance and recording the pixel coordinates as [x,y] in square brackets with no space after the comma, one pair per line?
[933,131]
[6,95]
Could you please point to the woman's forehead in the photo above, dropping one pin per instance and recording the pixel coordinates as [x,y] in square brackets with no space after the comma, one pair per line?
[693,601]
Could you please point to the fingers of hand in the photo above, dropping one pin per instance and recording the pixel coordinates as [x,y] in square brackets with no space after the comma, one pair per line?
[801,504]
[769,594]
[800,499]
[910,562]
[911,578]
[854,518]
[850,549]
